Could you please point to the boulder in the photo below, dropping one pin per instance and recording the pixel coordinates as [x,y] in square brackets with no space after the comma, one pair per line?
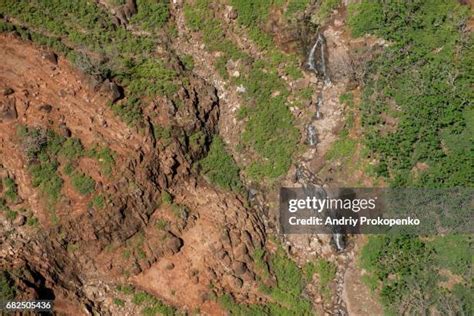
[46,108]
[64,130]
[174,244]
[8,91]
[111,90]
[8,110]
[50,56]
[20,220]
[239,268]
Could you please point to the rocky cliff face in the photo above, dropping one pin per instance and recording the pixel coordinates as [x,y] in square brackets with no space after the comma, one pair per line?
[200,239]
[98,205]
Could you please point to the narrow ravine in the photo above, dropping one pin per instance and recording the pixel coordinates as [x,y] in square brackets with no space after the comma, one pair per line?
[325,116]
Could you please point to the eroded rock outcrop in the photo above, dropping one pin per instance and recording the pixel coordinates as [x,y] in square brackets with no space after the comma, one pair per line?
[207,234]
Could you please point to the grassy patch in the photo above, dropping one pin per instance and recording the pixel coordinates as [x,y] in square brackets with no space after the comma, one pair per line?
[269,128]
[342,148]
[220,168]
[327,272]
[295,6]
[285,298]
[198,19]
[152,305]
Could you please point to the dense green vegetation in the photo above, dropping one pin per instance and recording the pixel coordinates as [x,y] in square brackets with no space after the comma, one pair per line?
[269,131]
[415,109]
[423,82]
[10,195]
[85,34]
[285,297]
[407,272]
[252,15]
[220,168]
[151,14]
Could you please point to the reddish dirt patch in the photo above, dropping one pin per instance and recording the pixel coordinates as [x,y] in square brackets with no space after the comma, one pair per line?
[39,84]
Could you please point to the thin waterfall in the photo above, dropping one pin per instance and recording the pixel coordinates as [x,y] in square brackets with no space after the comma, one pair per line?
[310,62]
[319,102]
[322,40]
[311,135]
[319,67]
[338,241]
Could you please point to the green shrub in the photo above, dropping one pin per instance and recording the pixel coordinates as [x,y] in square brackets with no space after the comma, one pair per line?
[269,130]
[327,272]
[198,19]
[72,148]
[44,176]
[161,224]
[295,6]
[105,157]
[188,62]
[82,183]
[11,191]
[32,221]
[163,134]
[151,14]
[405,270]
[166,198]
[119,302]
[10,214]
[220,168]
[197,140]
[68,168]
[98,201]
[7,287]
[126,289]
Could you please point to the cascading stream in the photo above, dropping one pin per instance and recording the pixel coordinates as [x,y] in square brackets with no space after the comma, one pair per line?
[317,63]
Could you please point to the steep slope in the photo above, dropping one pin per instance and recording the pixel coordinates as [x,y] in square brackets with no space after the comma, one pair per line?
[83,250]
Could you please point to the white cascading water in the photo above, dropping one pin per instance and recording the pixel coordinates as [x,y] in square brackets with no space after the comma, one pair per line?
[338,240]
[320,70]
[311,135]
[310,62]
